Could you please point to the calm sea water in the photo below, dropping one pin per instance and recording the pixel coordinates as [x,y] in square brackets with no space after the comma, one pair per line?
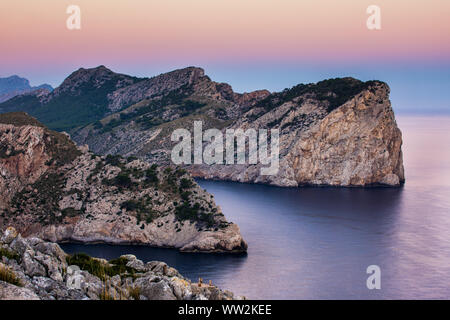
[316,243]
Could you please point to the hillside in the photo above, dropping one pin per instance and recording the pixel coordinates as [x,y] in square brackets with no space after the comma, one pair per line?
[339,132]
[80,99]
[52,189]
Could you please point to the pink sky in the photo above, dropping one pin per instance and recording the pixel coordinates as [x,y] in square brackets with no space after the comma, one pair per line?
[250,44]
[34,32]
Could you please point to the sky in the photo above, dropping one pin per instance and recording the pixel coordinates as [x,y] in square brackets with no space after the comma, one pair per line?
[250,44]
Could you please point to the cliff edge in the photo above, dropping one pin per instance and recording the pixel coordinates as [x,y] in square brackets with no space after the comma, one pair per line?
[60,192]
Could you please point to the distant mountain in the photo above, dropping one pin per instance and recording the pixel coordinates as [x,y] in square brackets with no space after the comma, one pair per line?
[15,85]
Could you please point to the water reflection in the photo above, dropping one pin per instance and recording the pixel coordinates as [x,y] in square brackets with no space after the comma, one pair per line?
[311,243]
[194,264]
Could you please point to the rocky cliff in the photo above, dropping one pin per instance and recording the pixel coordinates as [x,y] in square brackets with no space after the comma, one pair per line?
[338,132]
[323,142]
[33,269]
[52,189]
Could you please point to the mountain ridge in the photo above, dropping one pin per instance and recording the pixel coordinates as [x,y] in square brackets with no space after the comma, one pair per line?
[14,85]
[113,93]
[137,118]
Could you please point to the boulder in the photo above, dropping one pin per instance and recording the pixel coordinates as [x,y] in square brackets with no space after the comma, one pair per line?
[12,292]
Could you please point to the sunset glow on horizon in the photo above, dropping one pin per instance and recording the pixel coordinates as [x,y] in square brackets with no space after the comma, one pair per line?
[148,37]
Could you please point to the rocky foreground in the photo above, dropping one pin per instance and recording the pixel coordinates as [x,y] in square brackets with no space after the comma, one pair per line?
[57,191]
[33,269]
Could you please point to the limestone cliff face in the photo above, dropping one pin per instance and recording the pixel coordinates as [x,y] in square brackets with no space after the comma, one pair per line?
[52,189]
[356,144]
[337,132]
[22,160]
[153,87]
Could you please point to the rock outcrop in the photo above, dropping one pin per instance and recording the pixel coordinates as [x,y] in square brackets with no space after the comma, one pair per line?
[52,189]
[356,143]
[337,132]
[33,269]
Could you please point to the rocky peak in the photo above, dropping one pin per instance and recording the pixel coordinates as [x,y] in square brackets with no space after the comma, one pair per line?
[92,78]
[157,86]
[188,74]
[13,83]
[40,93]
[248,99]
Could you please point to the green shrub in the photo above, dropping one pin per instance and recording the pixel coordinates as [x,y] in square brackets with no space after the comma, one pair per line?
[9,254]
[194,213]
[122,180]
[114,160]
[99,269]
[186,184]
[142,209]
[151,175]
[131,205]
[168,170]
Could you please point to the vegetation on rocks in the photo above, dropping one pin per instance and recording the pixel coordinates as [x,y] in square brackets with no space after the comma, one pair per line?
[43,196]
[45,272]
[85,91]
[58,145]
[334,92]
[19,119]
[107,198]
[9,254]
[7,275]
[99,268]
